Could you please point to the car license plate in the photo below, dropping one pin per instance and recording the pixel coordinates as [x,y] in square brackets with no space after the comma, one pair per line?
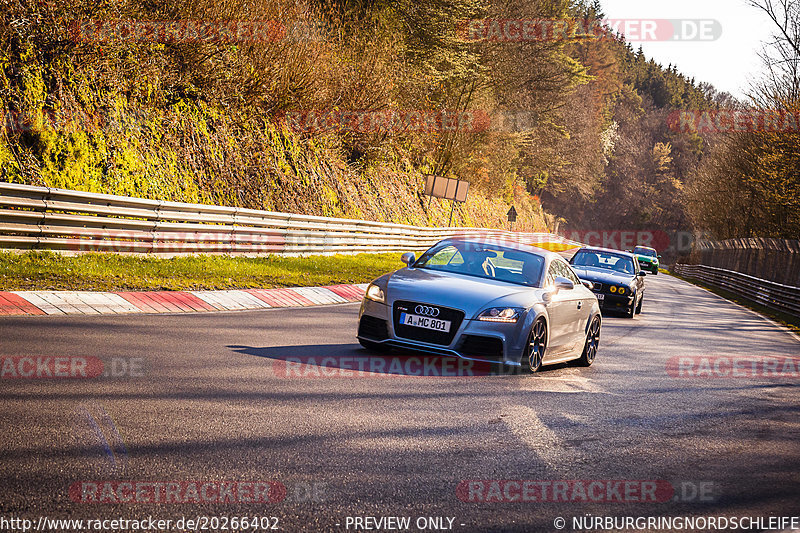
[600,297]
[425,322]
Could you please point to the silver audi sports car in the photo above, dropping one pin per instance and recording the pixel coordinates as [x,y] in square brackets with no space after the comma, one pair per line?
[484,300]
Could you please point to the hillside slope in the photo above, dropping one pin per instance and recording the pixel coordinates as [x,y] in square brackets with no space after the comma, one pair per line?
[200,121]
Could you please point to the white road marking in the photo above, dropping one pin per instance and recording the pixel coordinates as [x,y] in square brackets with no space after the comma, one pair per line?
[564,385]
[528,427]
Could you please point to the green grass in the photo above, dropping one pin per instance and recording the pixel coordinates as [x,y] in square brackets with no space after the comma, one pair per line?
[790,321]
[108,272]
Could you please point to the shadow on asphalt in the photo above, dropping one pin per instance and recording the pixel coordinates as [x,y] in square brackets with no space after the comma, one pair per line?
[348,360]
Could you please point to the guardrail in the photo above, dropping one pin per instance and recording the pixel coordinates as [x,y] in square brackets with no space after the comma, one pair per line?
[776,260]
[768,293]
[74,221]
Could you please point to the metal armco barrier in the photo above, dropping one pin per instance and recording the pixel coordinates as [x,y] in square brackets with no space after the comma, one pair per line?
[43,218]
[768,293]
[776,260]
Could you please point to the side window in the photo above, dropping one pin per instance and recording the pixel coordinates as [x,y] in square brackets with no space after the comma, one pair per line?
[558,268]
[570,275]
[446,256]
[552,272]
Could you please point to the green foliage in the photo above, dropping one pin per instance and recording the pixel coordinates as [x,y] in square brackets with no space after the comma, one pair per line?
[204,121]
[749,186]
[749,183]
[620,166]
[201,121]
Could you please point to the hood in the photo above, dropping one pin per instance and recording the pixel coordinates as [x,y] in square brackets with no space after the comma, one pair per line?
[459,291]
[603,275]
[646,258]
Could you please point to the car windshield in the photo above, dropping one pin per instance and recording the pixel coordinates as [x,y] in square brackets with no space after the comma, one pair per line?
[485,261]
[645,251]
[605,260]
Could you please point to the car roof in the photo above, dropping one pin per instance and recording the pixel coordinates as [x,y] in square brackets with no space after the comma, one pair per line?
[609,250]
[499,241]
[644,247]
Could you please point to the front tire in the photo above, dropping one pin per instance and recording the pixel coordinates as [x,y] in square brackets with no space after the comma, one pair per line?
[592,343]
[536,347]
[631,311]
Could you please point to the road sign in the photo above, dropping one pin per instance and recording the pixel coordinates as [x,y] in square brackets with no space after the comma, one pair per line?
[512,214]
[447,188]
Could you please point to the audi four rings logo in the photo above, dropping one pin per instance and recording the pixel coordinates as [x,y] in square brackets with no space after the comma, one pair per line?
[427,311]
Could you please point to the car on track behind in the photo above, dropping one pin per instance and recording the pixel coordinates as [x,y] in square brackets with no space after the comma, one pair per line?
[493,301]
[616,277]
[648,258]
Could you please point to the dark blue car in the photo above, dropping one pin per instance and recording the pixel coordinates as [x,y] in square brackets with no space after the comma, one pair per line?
[616,276]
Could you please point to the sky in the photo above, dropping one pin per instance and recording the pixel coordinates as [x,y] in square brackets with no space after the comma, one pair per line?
[730,63]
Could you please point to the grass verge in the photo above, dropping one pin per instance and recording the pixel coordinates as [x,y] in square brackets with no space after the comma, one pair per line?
[790,321]
[109,272]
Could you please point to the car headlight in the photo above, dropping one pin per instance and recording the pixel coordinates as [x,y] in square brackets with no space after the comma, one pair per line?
[621,290]
[613,288]
[507,315]
[376,294]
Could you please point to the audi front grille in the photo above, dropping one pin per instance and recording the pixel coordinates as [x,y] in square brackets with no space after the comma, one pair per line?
[455,317]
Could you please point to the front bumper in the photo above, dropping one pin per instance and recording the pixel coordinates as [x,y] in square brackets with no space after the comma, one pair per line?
[648,265]
[474,340]
[613,302]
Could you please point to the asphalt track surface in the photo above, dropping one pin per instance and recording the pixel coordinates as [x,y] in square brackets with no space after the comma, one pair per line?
[211,401]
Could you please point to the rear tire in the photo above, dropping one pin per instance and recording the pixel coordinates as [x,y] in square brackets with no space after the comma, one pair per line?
[592,343]
[535,348]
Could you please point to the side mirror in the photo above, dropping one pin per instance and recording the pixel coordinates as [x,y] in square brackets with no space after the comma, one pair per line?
[564,283]
[659,257]
[408,258]
[588,284]
[642,274]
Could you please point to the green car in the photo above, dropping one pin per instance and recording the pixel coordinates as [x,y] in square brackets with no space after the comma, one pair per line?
[648,258]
